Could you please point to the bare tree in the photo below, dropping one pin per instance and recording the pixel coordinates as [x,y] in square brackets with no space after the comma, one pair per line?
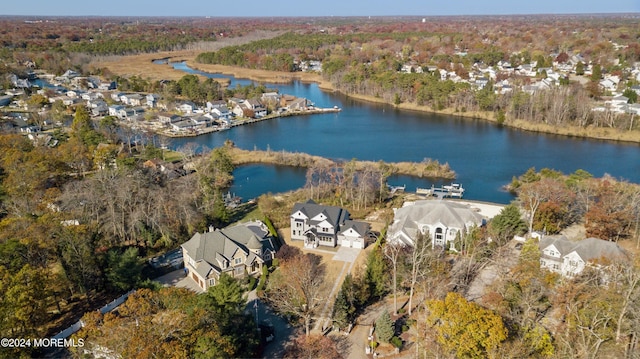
[392,252]
[297,287]
[419,256]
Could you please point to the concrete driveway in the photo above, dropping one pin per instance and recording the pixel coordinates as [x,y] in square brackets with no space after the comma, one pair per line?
[178,278]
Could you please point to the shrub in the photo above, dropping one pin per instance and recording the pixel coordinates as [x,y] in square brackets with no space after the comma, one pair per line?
[397,342]
[252,283]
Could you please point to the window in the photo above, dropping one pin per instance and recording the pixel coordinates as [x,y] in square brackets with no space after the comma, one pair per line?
[325,229]
[573,263]
[298,224]
[237,261]
[212,281]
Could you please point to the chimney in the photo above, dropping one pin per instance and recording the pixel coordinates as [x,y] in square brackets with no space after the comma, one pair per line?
[211,229]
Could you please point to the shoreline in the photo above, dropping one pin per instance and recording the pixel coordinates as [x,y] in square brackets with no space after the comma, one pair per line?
[141,65]
[603,134]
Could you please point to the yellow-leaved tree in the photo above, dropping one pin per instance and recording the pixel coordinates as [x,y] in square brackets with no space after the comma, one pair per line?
[465,329]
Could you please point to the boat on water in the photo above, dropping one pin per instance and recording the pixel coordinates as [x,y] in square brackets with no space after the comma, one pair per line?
[454,190]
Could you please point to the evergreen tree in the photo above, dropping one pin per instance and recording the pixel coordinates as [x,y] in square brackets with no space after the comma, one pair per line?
[596,73]
[631,95]
[580,68]
[376,276]
[124,270]
[508,223]
[385,327]
[344,308]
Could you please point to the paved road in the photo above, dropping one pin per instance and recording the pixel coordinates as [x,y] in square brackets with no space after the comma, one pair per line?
[284,333]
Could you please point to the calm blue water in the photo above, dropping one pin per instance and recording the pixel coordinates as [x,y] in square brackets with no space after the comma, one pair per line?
[484,156]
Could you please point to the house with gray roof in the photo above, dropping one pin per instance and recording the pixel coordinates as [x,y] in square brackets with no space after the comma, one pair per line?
[329,226]
[239,250]
[443,220]
[569,258]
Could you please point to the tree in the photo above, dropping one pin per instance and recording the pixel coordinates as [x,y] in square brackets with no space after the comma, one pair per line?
[392,252]
[465,329]
[631,95]
[420,256]
[315,346]
[344,308]
[82,128]
[375,276]
[507,223]
[385,328]
[214,175]
[596,73]
[224,304]
[124,270]
[296,287]
[77,254]
[224,300]
[580,68]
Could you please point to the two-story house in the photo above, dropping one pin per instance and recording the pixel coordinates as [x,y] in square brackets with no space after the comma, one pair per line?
[569,258]
[444,221]
[326,226]
[238,250]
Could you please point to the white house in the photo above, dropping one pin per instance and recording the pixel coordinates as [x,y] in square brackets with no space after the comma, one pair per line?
[570,258]
[443,220]
[326,226]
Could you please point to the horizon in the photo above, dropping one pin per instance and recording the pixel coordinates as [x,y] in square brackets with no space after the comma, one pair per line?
[329,8]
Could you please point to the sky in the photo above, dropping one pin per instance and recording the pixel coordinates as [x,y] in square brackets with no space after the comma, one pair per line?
[262,8]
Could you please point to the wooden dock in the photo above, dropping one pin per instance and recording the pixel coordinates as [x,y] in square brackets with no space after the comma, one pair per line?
[454,190]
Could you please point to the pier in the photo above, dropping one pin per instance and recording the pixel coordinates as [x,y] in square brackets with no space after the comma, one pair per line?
[454,190]
[244,121]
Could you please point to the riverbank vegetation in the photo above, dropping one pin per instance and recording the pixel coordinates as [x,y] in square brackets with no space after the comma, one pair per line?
[608,208]
[427,168]
[431,66]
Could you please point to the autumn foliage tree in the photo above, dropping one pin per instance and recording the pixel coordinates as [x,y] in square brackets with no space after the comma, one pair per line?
[314,346]
[465,329]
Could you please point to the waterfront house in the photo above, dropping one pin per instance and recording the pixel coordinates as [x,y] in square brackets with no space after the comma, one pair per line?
[114,110]
[238,251]
[152,100]
[187,107]
[270,98]
[259,110]
[215,104]
[132,99]
[570,258]
[183,125]
[115,96]
[168,118]
[444,221]
[222,112]
[326,226]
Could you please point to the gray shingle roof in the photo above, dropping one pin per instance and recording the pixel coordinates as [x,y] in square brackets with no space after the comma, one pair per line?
[360,227]
[211,249]
[589,249]
[335,215]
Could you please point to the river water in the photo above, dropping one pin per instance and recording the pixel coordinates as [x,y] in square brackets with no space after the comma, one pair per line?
[485,156]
